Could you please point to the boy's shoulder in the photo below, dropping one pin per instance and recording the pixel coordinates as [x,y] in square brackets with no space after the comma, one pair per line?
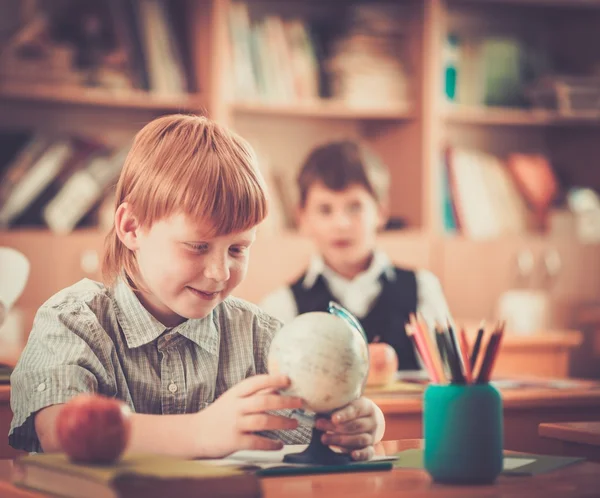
[235,308]
[78,295]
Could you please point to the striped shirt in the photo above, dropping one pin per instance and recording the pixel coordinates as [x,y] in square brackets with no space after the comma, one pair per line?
[91,338]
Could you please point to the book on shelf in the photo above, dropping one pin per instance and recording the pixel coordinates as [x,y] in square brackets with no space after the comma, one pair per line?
[38,171]
[82,191]
[483,201]
[133,476]
[127,33]
[38,176]
[354,57]
[20,161]
[449,217]
[136,45]
[83,148]
[57,181]
[494,70]
[166,73]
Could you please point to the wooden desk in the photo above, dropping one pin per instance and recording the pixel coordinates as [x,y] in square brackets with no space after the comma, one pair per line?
[545,354]
[5,418]
[9,354]
[580,479]
[573,438]
[524,410]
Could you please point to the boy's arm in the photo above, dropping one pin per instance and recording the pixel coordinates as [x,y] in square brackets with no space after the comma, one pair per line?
[163,434]
[66,355]
[230,424]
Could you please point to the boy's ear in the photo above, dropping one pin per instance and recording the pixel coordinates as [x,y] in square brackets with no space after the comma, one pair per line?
[127,226]
[299,218]
[383,214]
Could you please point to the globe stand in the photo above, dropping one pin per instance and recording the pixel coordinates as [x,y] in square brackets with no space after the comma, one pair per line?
[317,453]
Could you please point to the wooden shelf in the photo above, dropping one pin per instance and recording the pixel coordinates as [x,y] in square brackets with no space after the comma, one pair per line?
[326,110]
[96,97]
[542,3]
[11,234]
[497,116]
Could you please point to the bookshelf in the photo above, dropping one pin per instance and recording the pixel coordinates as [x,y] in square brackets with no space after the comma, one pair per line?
[93,97]
[519,117]
[407,133]
[325,110]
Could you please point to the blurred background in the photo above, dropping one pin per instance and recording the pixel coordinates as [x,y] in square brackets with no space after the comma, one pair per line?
[487,113]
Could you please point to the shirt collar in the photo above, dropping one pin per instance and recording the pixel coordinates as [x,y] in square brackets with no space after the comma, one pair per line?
[203,332]
[140,327]
[380,266]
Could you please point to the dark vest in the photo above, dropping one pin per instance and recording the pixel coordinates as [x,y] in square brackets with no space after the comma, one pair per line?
[387,317]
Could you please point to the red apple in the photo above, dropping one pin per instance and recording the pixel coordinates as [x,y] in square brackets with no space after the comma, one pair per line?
[93,428]
[383,364]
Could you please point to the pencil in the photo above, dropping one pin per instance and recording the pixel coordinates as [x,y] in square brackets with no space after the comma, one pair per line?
[453,340]
[457,353]
[464,347]
[477,345]
[435,356]
[439,339]
[488,358]
[453,361]
[411,330]
[496,351]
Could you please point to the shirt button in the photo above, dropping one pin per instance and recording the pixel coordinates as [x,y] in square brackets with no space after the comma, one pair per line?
[41,387]
[173,387]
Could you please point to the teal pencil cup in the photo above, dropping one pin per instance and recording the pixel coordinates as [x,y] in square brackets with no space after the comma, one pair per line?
[463,433]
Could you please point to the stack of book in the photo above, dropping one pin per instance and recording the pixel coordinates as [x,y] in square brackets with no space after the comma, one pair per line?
[56,180]
[485,197]
[114,44]
[133,476]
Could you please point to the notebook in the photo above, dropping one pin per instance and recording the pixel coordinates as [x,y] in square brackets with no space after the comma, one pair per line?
[270,463]
[514,465]
[134,476]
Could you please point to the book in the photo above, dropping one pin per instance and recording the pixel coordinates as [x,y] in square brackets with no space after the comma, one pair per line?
[133,476]
[35,180]
[21,163]
[82,191]
[83,148]
[271,463]
[521,464]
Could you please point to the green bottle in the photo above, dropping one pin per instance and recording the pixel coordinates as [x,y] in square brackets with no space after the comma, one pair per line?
[451,59]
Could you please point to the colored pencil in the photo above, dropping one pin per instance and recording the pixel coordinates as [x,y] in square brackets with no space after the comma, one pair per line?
[423,352]
[421,325]
[457,353]
[495,352]
[453,339]
[464,347]
[453,360]
[488,358]
[477,345]
[439,339]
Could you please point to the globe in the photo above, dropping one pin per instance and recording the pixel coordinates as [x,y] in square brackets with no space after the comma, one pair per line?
[325,357]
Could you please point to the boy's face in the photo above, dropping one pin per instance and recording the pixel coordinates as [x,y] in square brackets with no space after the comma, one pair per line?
[187,272]
[342,224]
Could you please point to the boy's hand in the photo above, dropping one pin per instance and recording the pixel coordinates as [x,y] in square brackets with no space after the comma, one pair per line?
[354,428]
[229,424]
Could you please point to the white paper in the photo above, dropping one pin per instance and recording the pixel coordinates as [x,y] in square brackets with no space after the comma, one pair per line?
[268,459]
[515,463]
